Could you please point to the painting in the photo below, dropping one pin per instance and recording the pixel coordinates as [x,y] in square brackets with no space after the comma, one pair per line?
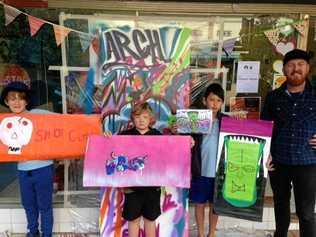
[244,147]
[47,136]
[194,121]
[127,161]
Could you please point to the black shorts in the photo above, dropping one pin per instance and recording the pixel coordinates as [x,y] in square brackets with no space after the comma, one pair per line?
[142,202]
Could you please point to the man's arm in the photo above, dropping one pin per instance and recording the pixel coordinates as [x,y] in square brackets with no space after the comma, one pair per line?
[266,113]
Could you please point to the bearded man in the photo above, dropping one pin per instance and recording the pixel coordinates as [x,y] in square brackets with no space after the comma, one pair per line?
[292,162]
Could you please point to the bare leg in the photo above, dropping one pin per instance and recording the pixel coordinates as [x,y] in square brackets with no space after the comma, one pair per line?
[199,217]
[212,222]
[133,228]
[150,228]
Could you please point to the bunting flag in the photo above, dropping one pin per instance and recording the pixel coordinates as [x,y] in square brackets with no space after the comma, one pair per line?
[85,41]
[96,45]
[228,45]
[10,14]
[301,27]
[35,24]
[60,33]
[273,36]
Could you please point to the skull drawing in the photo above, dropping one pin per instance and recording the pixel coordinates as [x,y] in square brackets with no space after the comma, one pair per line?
[15,132]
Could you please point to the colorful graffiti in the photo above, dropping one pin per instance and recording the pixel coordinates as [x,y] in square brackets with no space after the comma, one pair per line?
[130,65]
[173,221]
[194,121]
[128,161]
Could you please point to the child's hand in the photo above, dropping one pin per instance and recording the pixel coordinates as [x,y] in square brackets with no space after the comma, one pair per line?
[239,115]
[107,134]
[269,164]
[174,128]
[192,142]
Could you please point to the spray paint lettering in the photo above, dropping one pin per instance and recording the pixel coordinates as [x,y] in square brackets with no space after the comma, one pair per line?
[138,44]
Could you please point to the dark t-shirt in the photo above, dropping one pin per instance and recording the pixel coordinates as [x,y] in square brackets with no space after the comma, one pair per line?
[134,131]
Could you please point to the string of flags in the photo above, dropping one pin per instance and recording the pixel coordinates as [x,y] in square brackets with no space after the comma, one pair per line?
[35,24]
[61,32]
[274,35]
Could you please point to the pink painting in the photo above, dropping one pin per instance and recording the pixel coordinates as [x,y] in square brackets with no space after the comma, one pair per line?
[124,161]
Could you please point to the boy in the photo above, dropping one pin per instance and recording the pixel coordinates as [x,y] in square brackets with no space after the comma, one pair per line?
[36,176]
[204,162]
[141,201]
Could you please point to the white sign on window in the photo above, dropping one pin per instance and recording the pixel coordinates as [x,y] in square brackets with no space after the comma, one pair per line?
[248,76]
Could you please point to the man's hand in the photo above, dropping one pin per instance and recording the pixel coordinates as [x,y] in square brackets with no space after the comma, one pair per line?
[312,141]
[269,164]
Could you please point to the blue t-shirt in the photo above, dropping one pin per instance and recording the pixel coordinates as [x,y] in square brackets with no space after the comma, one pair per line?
[35,164]
[209,151]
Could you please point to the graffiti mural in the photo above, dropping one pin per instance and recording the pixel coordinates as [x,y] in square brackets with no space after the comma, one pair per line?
[172,223]
[129,65]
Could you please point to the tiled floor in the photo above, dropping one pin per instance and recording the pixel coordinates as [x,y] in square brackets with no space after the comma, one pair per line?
[227,227]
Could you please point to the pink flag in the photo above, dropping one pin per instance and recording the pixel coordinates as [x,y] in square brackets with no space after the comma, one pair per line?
[10,14]
[35,24]
[124,161]
[60,33]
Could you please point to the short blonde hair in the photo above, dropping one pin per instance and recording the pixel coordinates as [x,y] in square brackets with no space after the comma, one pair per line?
[137,109]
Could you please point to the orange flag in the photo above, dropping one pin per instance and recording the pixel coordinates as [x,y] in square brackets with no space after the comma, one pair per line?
[60,33]
[35,24]
[30,136]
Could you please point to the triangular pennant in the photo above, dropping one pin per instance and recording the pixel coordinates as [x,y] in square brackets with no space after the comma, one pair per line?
[60,33]
[10,14]
[273,36]
[96,45]
[85,41]
[228,45]
[301,26]
[35,24]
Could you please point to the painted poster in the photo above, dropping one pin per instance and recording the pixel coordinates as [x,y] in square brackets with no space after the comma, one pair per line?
[173,222]
[244,147]
[127,161]
[248,76]
[194,121]
[249,105]
[46,136]
[129,65]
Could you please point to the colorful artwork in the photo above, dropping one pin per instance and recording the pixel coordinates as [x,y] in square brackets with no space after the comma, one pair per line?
[243,154]
[248,105]
[244,147]
[49,136]
[130,65]
[120,163]
[124,161]
[194,121]
[173,221]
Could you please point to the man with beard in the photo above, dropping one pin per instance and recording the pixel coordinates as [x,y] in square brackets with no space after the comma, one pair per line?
[292,163]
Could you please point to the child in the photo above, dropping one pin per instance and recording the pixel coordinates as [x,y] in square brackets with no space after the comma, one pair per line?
[36,176]
[203,163]
[141,201]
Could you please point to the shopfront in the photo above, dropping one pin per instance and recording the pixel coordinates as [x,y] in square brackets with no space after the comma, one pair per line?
[223,34]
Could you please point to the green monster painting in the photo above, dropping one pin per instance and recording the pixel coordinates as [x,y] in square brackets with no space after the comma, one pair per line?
[193,118]
[242,164]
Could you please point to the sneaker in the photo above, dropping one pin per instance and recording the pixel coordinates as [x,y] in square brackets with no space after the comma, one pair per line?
[37,234]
